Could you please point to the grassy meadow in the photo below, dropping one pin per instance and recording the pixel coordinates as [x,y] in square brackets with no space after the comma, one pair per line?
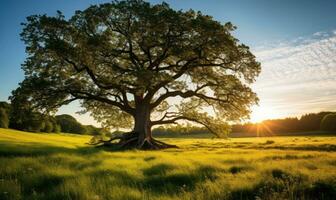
[62,166]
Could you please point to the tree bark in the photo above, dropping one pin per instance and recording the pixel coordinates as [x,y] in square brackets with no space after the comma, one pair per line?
[142,126]
[140,137]
[143,130]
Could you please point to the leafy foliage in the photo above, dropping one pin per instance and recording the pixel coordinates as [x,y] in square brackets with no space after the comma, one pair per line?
[6,106]
[4,114]
[4,121]
[20,115]
[92,130]
[125,59]
[186,129]
[69,124]
[307,122]
[312,121]
[328,122]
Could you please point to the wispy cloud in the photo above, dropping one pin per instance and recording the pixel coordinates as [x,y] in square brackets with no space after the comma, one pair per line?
[298,76]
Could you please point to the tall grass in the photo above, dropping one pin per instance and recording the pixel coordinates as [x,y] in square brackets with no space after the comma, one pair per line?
[51,166]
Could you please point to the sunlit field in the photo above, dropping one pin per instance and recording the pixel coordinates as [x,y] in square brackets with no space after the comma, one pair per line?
[51,166]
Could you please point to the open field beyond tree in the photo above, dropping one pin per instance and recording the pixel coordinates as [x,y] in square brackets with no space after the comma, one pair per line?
[54,166]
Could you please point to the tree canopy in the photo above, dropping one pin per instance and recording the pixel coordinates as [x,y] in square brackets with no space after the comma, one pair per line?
[133,64]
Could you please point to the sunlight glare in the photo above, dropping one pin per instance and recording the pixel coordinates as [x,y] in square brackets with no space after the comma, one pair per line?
[260,113]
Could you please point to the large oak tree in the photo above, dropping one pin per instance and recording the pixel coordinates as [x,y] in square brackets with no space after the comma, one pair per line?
[133,64]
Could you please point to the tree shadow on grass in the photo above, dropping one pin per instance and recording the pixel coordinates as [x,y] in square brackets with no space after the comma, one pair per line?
[314,147]
[41,183]
[33,183]
[160,170]
[158,180]
[237,169]
[31,149]
[282,185]
[116,176]
[288,157]
[149,158]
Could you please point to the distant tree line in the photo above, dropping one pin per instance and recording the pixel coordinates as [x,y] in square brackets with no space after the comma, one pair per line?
[21,117]
[323,121]
[179,129]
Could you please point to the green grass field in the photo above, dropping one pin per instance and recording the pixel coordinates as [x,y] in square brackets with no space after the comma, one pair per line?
[61,166]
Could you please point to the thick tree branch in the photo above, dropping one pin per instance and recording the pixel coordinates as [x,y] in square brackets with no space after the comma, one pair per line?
[89,96]
[183,69]
[187,94]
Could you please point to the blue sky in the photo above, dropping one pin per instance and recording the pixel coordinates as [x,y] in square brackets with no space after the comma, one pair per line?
[280,32]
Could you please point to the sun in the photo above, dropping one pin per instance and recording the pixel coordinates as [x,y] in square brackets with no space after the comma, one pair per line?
[260,113]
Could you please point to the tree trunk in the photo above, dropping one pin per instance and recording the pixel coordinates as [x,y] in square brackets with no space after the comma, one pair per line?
[142,126]
[140,137]
[143,130]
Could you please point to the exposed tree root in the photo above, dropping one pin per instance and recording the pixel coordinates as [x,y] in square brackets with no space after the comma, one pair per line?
[130,141]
